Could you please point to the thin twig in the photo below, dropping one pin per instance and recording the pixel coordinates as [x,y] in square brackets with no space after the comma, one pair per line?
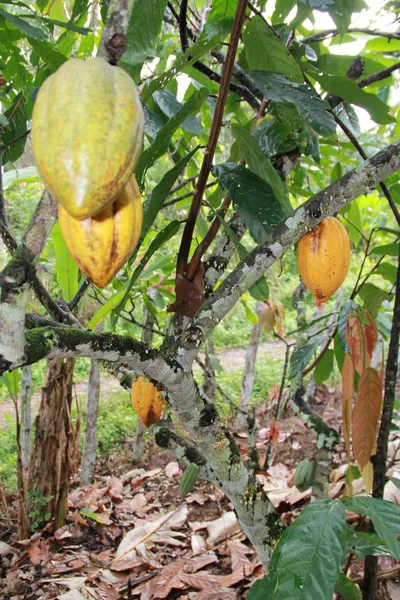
[316,37]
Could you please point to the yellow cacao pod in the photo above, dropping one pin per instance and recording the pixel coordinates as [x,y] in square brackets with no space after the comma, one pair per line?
[147,401]
[87,130]
[323,257]
[102,244]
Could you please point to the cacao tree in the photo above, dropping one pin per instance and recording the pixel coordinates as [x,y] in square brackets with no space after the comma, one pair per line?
[252,138]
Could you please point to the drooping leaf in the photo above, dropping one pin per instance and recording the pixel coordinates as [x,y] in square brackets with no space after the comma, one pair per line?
[362,544]
[385,517]
[261,165]
[161,142]
[386,250]
[387,271]
[347,400]
[303,355]
[345,309]
[349,90]
[170,106]
[66,270]
[12,381]
[373,297]
[324,368]
[252,197]
[280,89]
[366,415]
[361,336]
[105,310]
[144,27]
[266,52]
[23,26]
[306,562]
[347,588]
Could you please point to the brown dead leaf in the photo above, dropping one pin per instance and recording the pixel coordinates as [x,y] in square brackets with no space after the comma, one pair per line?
[77,518]
[222,528]
[198,497]
[238,552]
[63,533]
[192,565]
[38,552]
[172,469]
[6,549]
[115,488]
[218,593]
[198,543]
[204,580]
[366,415]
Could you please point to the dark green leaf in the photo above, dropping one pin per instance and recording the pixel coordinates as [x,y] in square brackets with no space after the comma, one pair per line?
[385,517]
[347,588]
[306,562]
[364,544]
[303,355]
[386,250]
[280,89]
[395,481]
[66,269]
[343,320]
[12,137]
[263,589]
[221,16]
[12,381]
[252,197]
[144,27]
[349,90]
[324,368]
[266,52]
[387,271]
[170,106]
[23,26]
[275,137]
[261,165]
[160,144]
[152,123]
[373,298]
[152,206]
[282,9]
[260,290]
[339,352]
[342,11]
[50,55]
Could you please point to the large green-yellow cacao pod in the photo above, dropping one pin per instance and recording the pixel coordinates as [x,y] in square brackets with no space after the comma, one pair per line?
[87,131]
[147,401]
[323,257]
[101,245]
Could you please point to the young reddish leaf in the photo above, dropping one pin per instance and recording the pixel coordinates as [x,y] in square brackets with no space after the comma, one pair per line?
[273,433]
[366,414]
[347,399]
[361,334]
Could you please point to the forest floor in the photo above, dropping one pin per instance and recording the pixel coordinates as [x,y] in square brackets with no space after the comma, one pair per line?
[130,535]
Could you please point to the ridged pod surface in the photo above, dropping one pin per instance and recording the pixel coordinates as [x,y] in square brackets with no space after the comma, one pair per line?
[323,257]
[102,244]
[87,131]
[147,401]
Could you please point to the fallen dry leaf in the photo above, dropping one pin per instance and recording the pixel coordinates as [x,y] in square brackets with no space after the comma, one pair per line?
[115,488]
[222,528]
[172,469]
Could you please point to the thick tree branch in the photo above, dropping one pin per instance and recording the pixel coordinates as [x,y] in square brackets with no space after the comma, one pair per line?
[113,41]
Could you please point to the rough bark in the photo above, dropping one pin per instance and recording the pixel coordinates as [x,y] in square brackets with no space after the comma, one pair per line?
[26,414]
[49,465]
[209,381]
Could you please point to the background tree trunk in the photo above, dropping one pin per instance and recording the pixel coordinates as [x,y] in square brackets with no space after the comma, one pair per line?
[49,464]
[92,411]
[249,368]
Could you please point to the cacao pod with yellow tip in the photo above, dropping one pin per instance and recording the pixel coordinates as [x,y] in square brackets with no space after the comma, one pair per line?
[101,245]
[323,257]
[87,131]
[147,401]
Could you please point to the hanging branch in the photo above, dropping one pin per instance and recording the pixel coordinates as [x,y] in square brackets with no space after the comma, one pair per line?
[213,138]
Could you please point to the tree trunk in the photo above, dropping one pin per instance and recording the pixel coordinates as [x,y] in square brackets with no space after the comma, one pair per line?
[147,338]
[92,411]
[209,381]
[249,368]
[49,464]
[26,414]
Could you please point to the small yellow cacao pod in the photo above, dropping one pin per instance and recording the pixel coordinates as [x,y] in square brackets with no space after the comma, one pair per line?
[87,131]
[147,401]
[101,245]
[323,257]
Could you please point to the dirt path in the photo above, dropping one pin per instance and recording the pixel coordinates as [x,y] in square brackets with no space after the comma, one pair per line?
[229,359]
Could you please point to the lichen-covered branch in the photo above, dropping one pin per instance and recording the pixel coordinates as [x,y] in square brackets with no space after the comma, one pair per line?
[113,41]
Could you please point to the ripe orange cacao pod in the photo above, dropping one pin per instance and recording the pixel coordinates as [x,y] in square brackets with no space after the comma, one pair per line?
[87,130]
[100,245]
[323,257]
[147,401]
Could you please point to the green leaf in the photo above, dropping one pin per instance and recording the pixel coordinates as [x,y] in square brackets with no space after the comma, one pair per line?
[385,517]
[349,90]
[260,289]
[253,197]
[152,206]
[27,174]
[282,9]
[347,588]
[51,56]
[386,250]
[280,89]
[324,368]
[162,237]
[378,44]
[66,270]
[170,106]
[250,316]
[161,143]
[342,10]
[144,27]
[261,165]
[23,26]
[355,223]
[106,309]
[303,355]
[263,589]
[345,309]
[395,481]
[364,544]
[306,562]
[339,352]
[12,381]
[16,115]
[221,16]
[373,297]
[266,52]
[86,512]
